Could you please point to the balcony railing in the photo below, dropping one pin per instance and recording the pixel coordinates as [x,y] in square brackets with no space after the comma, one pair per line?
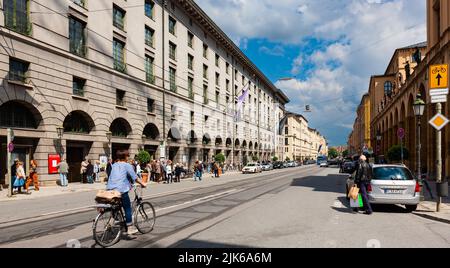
[81,3]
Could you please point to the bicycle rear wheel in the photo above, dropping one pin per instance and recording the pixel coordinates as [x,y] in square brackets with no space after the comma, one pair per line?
[145,217]
[107,228]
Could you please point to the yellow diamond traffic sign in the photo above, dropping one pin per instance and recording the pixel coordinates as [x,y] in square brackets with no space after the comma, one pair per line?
[439,122]
[439,76]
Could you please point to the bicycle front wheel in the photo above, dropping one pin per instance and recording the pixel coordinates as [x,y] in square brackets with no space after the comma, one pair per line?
[145,217]
[107,228]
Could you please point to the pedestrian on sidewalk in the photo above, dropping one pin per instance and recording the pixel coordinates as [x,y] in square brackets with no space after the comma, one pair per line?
[97,171]
[216,169]
[84,165]
[178,171]
[362,179]
[109,168]
[20,177]
[32,177]
[63,169]
[90,172]
[158,171]
[169,172]
[196,170]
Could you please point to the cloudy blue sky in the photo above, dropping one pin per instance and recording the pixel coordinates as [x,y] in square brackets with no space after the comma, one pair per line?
[330,47]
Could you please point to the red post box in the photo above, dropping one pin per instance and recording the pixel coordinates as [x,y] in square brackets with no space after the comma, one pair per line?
[53,161]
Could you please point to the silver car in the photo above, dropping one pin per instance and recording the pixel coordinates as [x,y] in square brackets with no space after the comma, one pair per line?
[392,184]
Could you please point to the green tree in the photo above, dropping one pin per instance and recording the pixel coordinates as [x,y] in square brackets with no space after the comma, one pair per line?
[220,158]
[395,153]
[333,153]
[345,153]
[288,159]
[143,157]
[255,158]
[275,158]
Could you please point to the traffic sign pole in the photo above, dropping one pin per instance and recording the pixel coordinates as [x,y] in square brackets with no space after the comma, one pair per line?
[438,158]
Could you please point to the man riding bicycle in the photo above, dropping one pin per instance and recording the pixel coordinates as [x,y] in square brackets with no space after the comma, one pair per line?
[121,179]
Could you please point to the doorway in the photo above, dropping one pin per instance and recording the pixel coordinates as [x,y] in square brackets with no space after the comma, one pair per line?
[75,155]
[173,151]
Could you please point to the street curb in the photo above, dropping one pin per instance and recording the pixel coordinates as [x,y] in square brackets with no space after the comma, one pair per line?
[433,218]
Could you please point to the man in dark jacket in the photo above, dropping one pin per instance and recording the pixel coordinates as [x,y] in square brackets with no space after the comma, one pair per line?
[362,179]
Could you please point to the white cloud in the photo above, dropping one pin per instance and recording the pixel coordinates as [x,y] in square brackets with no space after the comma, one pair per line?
[361,36]
[275,51]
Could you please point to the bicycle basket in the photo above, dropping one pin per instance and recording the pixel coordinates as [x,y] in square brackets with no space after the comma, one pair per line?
[108,197]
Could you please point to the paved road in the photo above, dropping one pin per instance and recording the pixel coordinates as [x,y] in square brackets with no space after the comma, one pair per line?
[299,207]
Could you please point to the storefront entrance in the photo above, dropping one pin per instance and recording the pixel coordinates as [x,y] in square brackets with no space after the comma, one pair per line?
[173,151]
[76,153]
[23,150]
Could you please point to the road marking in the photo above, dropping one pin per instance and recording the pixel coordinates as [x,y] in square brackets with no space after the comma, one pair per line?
[198,200]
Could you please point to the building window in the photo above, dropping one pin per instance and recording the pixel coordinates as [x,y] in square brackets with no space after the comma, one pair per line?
[78,86]
[190,40]
[18,70]
[227,68]
[118,17]
[172,25]
[243,80]
[16,14]
[236,75]
[120,97]
[206,119]
[227,84]
[191,87]
[149,77]
[192,118]
[149,36]
[77,37]
[81,3]
[119,55]
[205,51]
[173,81]
[150,105]
[205,94]
[388,87]
[217,60]
[149,5]
[205,71]
[217,99]
[172,50]
[190,62]
[217,79]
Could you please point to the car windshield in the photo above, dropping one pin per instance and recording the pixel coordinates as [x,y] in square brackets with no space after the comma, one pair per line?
[348,164]
[251,165]
[392,173]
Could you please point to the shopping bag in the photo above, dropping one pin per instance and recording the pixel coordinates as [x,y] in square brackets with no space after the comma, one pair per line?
[356,203]
[360,201]
[353,192]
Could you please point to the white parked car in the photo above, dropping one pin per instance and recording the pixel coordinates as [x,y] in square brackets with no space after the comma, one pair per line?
[392,184]
[252,168]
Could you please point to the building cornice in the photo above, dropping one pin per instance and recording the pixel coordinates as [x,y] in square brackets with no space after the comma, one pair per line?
[208,24]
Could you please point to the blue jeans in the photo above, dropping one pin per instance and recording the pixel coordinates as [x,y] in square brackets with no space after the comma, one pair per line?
[63,177]
[126,204]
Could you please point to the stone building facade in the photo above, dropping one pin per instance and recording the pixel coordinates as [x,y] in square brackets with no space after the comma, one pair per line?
[165,80]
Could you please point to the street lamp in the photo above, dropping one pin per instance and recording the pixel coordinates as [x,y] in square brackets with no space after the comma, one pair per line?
[60,132]
[419,108]
[109,137]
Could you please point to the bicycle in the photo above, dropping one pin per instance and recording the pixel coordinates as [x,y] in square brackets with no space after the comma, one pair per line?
[110,223]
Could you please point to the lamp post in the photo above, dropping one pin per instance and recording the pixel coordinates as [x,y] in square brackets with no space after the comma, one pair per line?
[419,108]
[60,132]
[378,143]
[109,137]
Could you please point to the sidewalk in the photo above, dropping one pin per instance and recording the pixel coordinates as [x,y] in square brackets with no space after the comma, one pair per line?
[427,208]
